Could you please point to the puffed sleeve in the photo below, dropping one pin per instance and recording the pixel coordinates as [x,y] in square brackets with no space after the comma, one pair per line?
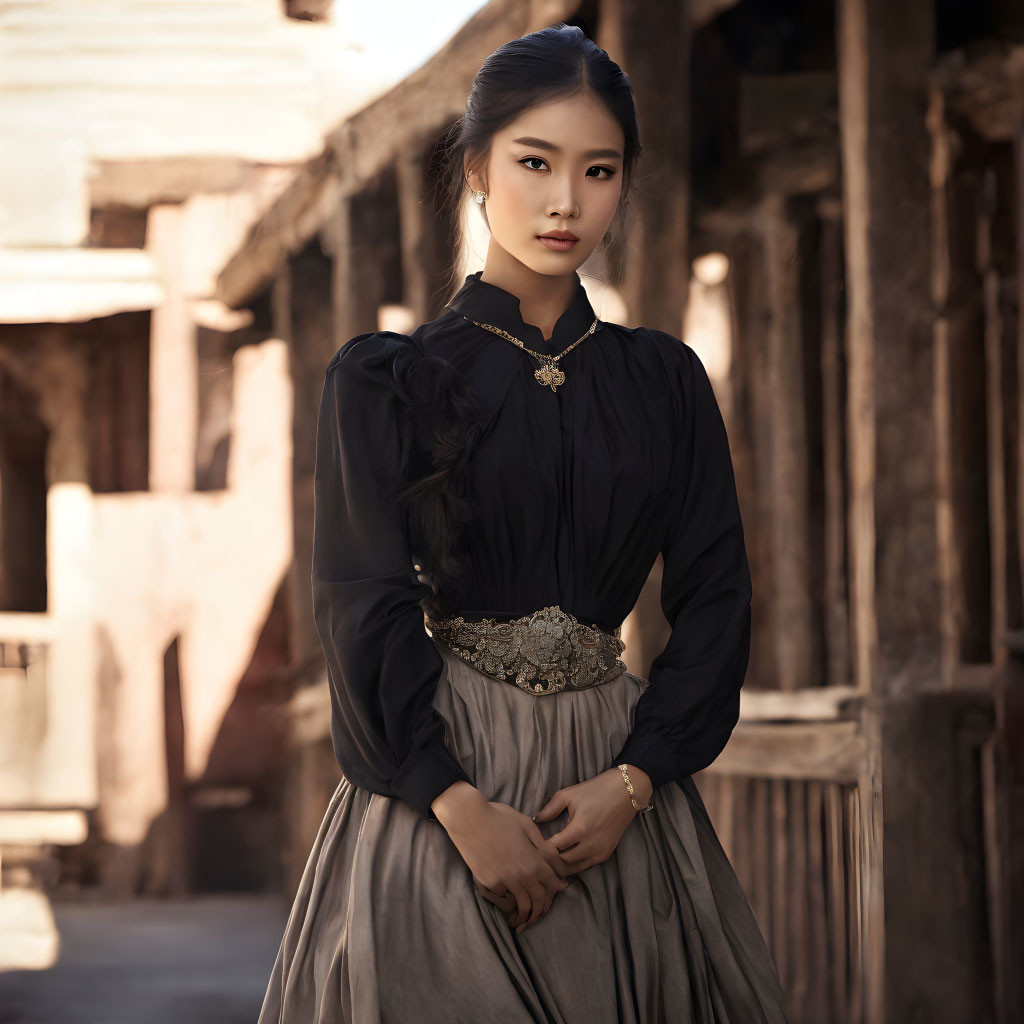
[382,666]
[685,717]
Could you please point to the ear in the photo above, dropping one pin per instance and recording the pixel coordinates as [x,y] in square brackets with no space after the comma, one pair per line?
[472,176]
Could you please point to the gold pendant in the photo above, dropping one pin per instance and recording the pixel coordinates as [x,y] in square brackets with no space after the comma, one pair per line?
[549,375]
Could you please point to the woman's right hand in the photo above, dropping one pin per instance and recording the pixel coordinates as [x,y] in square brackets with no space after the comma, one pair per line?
[506,852]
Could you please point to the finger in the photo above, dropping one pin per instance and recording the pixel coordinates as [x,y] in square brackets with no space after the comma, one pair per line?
[553,807]
[569,836]
[548,900]
[549,877]
[524,904]
[554,890]
[549,853]
[558,865]
[577,853]
[538,897]
[505,901]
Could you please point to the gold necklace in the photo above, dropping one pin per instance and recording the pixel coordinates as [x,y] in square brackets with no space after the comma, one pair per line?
[548,374]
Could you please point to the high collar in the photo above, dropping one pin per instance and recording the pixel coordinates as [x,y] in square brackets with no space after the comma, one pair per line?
[487,303]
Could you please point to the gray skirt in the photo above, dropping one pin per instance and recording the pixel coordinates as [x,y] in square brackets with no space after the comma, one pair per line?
[388,924]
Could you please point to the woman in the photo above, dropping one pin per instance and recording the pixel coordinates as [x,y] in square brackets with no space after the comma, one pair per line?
[517,836]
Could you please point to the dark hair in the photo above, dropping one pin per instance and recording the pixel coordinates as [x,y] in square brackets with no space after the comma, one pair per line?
[441,411]
[551,63]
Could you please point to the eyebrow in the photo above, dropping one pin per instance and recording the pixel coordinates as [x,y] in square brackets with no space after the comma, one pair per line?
[592,154]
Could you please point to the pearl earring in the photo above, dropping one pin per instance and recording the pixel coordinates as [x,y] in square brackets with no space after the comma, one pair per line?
[479,196]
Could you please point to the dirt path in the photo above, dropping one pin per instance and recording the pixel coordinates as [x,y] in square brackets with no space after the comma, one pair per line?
[205,961]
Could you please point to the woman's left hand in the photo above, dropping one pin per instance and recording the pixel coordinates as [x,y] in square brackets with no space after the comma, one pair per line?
[599,811]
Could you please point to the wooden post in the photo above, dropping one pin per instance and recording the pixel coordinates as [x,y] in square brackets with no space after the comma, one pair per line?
[174,388]
[302,307]
[921,888]
[792,613]
[834,571]
[426,236]
[653,41]
[748,293]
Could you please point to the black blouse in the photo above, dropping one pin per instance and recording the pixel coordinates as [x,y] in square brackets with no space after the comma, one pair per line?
[575,492]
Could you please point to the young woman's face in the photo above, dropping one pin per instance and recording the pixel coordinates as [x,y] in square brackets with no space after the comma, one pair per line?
[557,167]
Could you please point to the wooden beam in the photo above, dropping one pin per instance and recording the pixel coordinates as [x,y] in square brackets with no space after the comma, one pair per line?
[289,223]
[753,459]
[654,41]
[797,634]
[818,751]
[885,51]
[62,285]
[416,230]
[809,704]
[838,670]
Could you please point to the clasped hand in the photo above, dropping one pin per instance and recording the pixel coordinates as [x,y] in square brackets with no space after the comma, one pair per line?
[533,872]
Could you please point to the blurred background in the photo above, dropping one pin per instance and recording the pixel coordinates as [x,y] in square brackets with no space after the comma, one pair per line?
[201,200]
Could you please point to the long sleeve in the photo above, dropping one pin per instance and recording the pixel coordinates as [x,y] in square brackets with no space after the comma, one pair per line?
[685,717]
[382,666]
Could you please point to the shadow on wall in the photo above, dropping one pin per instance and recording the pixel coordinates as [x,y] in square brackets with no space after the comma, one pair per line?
[220,832]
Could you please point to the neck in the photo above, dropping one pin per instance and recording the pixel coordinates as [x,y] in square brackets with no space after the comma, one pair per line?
[543,298]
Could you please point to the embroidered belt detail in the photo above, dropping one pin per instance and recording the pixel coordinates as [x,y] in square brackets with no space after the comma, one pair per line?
[544,652]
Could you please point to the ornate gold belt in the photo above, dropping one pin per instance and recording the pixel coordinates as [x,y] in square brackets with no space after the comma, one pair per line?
[543,652]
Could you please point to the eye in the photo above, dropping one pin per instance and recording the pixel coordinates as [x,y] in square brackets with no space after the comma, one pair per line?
[609,171]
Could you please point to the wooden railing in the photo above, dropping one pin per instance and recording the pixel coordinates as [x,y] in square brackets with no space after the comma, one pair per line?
[796,801]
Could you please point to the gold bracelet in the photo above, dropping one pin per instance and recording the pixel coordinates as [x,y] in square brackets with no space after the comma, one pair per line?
[629,786]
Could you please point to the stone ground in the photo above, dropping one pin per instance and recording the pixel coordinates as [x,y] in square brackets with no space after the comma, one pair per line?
[203,961]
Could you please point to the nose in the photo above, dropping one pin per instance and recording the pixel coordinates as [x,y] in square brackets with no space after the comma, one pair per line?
[563,201]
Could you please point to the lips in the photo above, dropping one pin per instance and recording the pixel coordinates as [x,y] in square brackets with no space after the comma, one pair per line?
[558,241]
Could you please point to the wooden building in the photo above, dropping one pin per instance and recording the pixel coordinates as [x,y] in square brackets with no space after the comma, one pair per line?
[837,190]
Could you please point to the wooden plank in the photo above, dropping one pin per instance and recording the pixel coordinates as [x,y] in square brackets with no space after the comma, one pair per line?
[830,751]
[27,827]
[760,856]
[780,859]
[800,952]
[790,527]
[753,457]
[941,272]
[289,223]
[654,42]
[414,220]
[855,838]
[811,703]
[742,832]
[1005,828]
[885,51]
[995,345]
[837,905]
[838,670]
[61,285]
[816,1005]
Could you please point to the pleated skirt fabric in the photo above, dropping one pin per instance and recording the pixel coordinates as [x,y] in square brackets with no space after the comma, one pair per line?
[388,925]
